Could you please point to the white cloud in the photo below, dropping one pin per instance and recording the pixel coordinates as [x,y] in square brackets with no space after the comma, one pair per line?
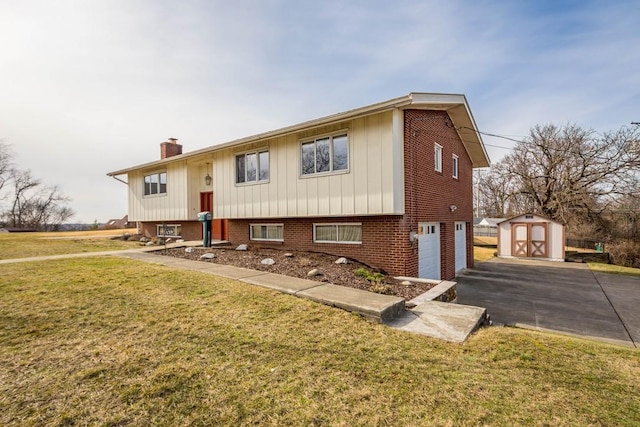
[89,87]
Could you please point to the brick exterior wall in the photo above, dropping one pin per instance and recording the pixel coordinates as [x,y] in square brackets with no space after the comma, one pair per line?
[430,194]
[385,240]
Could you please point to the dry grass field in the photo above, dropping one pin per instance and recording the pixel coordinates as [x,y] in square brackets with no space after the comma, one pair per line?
[24,245]
[115,342]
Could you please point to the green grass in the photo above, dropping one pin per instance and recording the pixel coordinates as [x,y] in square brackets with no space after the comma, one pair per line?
[24,245]
[109,341]
[614,269]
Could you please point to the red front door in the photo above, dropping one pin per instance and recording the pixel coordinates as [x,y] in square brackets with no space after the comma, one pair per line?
[206,201]
[218,226]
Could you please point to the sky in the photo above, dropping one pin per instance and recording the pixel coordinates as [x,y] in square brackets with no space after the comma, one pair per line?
[92,86]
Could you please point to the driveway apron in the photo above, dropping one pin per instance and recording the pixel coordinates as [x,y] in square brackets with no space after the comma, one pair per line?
[624,294]
[565,297]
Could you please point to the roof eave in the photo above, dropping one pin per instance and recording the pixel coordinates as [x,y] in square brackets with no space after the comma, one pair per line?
[465,126]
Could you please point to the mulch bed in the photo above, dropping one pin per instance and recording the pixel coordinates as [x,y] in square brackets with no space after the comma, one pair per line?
[299,264]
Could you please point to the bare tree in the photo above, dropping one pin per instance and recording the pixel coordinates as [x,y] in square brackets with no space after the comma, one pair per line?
[22,183]
[5,165]
[29,203]
[571,174]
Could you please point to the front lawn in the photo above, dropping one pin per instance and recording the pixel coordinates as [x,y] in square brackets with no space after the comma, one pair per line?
[24,245]
[111,341]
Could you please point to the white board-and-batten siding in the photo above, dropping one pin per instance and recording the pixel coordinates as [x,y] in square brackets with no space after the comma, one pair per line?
[174,205]
[371,186]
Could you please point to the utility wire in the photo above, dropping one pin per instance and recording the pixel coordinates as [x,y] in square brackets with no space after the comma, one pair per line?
[524,142]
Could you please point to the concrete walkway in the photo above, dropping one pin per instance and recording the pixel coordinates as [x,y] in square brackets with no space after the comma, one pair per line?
[450,322]
[445,321]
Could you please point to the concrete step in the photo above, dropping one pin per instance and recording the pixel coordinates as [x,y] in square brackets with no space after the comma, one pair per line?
[446,321]
[377,307]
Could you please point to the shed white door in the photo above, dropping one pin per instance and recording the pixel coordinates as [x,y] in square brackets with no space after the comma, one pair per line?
[461,246]
[429,250]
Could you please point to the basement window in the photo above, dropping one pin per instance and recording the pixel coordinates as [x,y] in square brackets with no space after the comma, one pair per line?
[337,233]
[168,230]
[267,232]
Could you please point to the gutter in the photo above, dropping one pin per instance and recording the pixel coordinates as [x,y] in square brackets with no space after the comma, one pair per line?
[118,179]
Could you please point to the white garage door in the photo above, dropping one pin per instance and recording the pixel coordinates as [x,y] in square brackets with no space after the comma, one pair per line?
[429,250]
[461,246]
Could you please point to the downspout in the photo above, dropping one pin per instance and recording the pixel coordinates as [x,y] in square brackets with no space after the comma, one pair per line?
[138,229]
[118,179]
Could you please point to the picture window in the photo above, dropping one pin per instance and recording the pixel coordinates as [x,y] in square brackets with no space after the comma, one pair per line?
[252,167]
[325,155]
[155,183]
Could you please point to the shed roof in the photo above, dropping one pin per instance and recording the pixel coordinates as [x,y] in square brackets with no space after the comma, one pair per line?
[516,217]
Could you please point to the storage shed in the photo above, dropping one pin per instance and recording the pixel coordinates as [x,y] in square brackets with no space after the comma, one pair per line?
[531,236]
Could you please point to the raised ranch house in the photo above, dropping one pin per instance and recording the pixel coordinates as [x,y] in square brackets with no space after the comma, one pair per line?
[389,184]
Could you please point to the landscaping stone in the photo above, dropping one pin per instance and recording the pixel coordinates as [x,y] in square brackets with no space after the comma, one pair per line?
[342,260]
[406,283]
[313,272]
[149,244]
[267,261]
[189,250]
[288,255]
[208,255]
[242,247]
[144,239]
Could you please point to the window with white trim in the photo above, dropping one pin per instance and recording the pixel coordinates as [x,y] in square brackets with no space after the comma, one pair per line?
[454,166]
[252,167]
[168,230]
[269,232]
[155,183]
[437,157]
[325,155]
[337,233]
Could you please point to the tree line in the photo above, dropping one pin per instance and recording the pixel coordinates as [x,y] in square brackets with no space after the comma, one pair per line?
[25,201]
[586,180]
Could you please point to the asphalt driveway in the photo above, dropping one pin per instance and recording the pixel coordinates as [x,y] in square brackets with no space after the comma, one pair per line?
[565,297]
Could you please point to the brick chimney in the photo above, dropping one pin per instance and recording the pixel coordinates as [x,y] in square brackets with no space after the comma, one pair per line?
[170,148]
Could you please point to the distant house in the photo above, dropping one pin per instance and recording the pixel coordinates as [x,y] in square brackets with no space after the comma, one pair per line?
[486,226]
[388,184]
[17,230]
[490,222]
[117,224]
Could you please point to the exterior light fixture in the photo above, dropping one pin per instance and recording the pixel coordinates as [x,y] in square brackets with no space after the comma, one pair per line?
[208,179]
[453,208]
